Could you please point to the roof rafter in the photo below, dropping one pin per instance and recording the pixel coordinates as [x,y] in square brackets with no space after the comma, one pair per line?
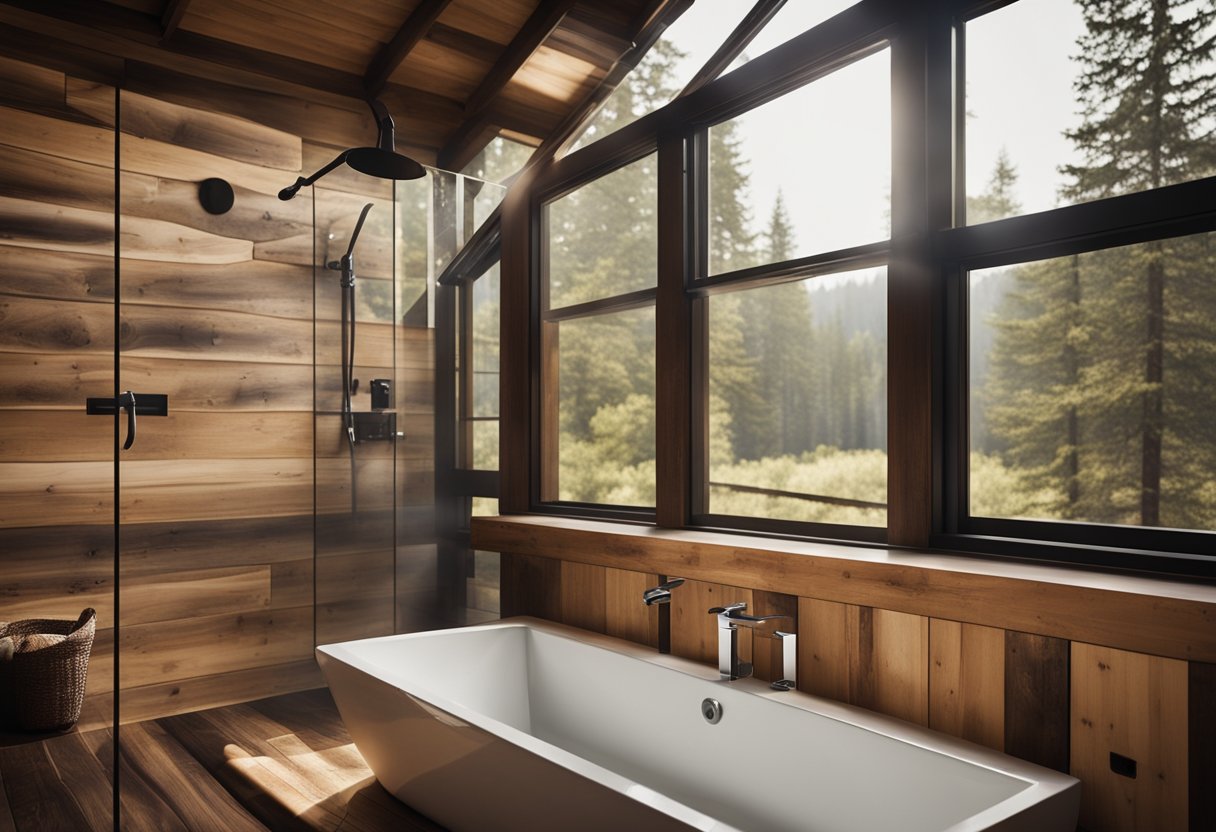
[171,17]
[414,29]
[536,29]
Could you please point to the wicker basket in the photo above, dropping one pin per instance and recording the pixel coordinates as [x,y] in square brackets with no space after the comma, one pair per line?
[43,690]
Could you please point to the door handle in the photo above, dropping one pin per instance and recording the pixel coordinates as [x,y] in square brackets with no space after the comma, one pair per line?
[146,404]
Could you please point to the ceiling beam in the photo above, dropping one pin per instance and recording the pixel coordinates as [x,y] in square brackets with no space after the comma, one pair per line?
[171,17]
[536,29]
[394,52]
[733,46]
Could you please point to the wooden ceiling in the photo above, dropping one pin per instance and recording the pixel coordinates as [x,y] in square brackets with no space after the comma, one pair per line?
[454,73]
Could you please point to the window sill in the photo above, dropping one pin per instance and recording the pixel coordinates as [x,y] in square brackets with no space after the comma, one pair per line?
[1159,616]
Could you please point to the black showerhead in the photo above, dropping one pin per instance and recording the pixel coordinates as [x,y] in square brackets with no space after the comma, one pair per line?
[382,161]
[384,164]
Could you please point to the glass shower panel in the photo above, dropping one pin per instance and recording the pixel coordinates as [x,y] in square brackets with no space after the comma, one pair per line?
[356,420]
[216,496]
[57,327]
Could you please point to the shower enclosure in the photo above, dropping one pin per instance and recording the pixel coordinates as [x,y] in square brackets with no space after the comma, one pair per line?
[242,526]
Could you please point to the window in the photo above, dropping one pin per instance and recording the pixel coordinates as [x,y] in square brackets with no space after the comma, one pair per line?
[798,406]
[812,169]
[600,250]
[1092,387]
[481,377]
[1041,269]
[1120,92]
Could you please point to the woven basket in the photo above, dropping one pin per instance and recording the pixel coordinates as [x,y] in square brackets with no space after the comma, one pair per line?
[43,690]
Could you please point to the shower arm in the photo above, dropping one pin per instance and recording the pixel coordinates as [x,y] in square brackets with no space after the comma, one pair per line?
[301,182]
[386,139]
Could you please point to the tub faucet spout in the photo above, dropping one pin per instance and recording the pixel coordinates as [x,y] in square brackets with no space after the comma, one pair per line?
[730,666]
[660,596]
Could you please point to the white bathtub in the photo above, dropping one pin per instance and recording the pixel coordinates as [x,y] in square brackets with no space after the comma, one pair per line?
[528,725]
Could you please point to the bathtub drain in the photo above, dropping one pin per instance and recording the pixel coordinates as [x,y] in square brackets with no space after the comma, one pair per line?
[711,709]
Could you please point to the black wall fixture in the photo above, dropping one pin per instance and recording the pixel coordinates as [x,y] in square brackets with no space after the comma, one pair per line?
[215,195]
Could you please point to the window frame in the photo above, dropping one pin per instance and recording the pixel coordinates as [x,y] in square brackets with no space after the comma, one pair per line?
[928,255]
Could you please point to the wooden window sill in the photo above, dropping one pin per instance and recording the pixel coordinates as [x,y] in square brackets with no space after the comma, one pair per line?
[1159,616]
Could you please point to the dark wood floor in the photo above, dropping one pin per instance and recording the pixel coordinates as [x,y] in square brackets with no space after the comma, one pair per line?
[284,763]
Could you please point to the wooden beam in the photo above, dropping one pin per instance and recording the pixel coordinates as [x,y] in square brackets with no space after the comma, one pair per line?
[171,17]
[733,46]
[536,29]
[1145,615]
[394,52]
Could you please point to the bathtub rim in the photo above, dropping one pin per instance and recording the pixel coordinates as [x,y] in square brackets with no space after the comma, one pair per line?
[1042,783]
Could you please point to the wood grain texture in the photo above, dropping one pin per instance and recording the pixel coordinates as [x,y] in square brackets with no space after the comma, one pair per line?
[158,699]
[1134,705]
[967,682]
[531,586]
[193,593]
[625,616]
[877,659]
[584,596]
[1158,616]
[1037,699]
[1201,740]
[168,651]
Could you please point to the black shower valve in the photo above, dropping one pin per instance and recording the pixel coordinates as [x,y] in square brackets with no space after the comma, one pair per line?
[382,394]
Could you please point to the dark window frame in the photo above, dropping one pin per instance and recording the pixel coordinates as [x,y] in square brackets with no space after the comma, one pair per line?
[930,249]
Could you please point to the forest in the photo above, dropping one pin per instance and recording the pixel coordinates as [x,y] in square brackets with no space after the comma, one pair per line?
[1091,376]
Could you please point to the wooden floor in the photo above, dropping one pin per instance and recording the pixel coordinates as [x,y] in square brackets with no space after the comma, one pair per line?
[284,763]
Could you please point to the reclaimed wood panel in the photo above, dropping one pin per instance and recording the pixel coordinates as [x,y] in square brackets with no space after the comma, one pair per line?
[1201,740]
[31,224]
[584,596]
[823,649]
[1136,706]
[57,275]
[259,287]
[56,493]
[876,659]
[29,84]
[1036,699]
[625,616]
[57,136]
[153,332]
[62,381]
[66,436]
[967,681]
[167,651]
[159,699]
[1148,615]
[531,586]
[151,548]
[194,593]
[223,135]
[156,491]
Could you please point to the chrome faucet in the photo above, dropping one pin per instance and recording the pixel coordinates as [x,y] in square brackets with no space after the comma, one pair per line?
[660,596]
[733,616]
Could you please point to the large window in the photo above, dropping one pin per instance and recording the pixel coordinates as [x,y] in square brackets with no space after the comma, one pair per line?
[897,282]
[1094,389]
[598,391]
[798,400]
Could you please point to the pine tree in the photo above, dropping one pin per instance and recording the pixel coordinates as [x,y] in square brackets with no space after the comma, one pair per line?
[998,200]
[1148,96]
[1088,388]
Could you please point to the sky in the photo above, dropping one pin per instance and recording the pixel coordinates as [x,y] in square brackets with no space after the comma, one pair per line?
[834,172]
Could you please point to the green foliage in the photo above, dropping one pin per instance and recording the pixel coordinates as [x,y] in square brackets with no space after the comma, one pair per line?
[1098,392]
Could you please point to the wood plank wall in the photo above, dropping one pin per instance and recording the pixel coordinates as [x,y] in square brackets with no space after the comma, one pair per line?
[217,500]
[1061,704]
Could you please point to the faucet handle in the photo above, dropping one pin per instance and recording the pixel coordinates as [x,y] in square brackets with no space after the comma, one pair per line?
[735,612]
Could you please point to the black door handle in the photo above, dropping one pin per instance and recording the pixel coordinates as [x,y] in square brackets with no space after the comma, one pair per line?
[147,404]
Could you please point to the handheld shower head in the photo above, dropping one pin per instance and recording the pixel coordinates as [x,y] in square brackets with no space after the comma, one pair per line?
[382,161]
[347,262]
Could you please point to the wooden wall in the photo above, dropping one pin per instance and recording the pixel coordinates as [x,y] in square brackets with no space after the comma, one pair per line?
[1062,704]
[56,347]
[217,500]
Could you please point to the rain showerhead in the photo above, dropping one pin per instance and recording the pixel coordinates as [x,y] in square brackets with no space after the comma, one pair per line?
[382,161]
